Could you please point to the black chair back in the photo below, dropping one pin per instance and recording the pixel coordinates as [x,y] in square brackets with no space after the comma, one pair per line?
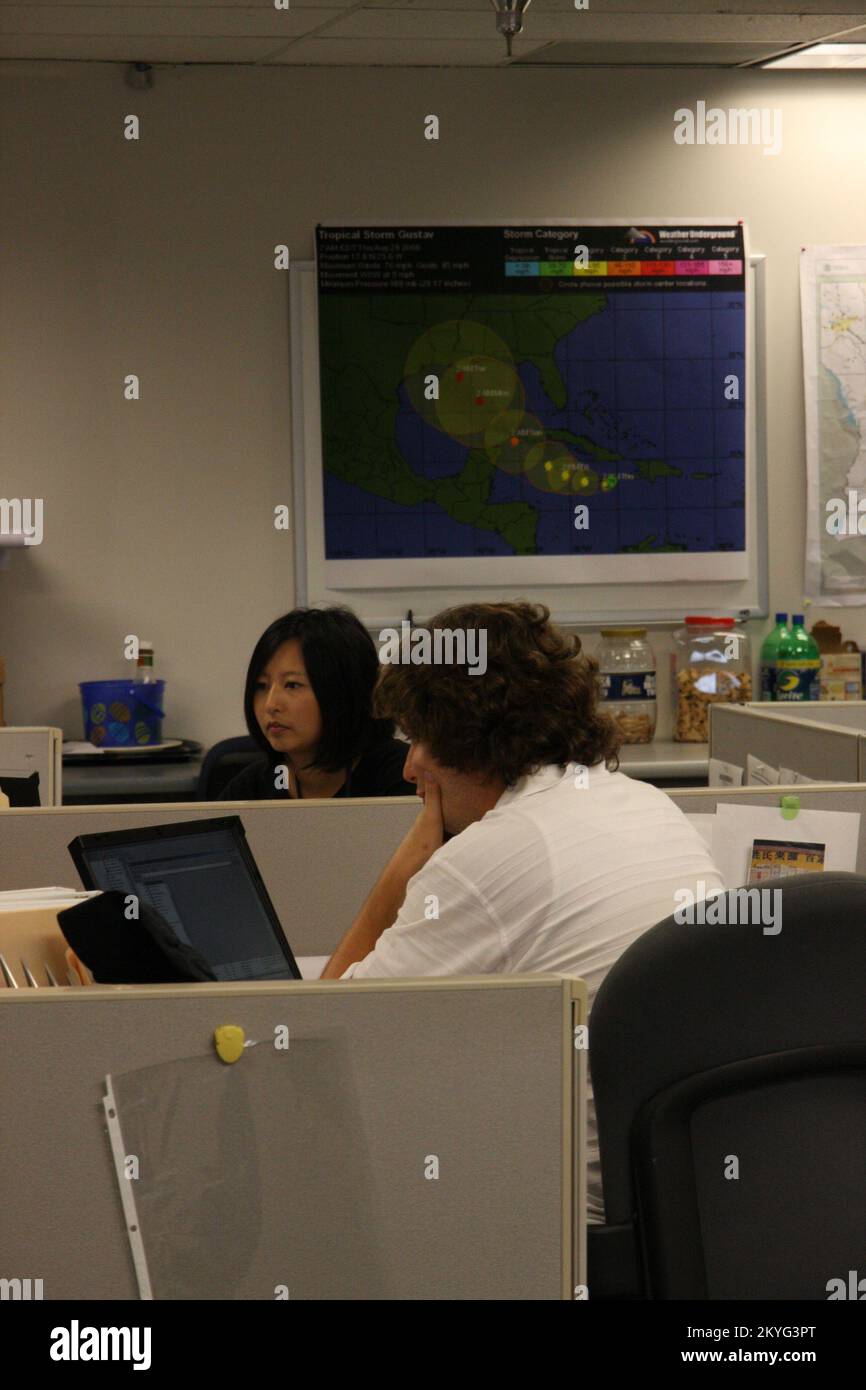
[728,1066]
[21,791]
[223,762]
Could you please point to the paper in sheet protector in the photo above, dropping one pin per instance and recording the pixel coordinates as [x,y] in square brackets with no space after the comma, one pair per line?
[759,774]
[229,1156]
[722,774]
[737,826]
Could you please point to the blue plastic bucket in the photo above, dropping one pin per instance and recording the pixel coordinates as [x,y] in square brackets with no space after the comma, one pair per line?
[120,714]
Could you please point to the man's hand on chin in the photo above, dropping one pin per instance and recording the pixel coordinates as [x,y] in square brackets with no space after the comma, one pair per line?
[426,835]
[384,902]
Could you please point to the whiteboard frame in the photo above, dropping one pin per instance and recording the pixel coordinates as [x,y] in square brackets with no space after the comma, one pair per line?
[308,589]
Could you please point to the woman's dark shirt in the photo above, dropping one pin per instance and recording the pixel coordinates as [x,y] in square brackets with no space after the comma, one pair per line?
[379,773]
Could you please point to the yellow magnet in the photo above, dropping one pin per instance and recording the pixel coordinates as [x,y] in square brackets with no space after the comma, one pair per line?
[229,1042]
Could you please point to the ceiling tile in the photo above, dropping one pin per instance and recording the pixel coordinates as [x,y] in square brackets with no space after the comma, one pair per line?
[421,32]
[394,52]
[137,21]
[137,50]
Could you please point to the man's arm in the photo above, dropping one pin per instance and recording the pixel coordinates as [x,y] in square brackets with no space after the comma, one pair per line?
[384,902]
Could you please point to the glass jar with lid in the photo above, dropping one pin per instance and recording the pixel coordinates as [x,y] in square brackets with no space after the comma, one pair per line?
[711,661]
[627,677]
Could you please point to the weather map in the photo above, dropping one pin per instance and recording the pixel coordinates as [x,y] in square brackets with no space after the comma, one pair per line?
[534,392]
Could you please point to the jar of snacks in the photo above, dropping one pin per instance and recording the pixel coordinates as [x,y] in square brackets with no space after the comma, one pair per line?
[627,675]
[711,661]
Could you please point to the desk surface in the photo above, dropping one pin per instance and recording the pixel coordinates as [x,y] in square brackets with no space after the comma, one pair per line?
[311,967]
[130,782]
[676,763]
[666,761]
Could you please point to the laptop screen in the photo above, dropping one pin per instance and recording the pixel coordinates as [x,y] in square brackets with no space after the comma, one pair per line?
[202,879]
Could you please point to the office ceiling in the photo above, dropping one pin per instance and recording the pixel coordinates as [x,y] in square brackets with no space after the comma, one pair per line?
[424,33]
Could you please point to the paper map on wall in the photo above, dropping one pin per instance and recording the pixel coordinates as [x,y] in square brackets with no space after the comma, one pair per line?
[833,303]
[571,398]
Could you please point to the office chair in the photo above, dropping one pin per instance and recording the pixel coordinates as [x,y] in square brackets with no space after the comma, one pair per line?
[21,791]
[222,762]
[729,1075]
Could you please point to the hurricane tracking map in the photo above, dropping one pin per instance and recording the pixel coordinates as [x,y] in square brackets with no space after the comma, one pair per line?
[570,396]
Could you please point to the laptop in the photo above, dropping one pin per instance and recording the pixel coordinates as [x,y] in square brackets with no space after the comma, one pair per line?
[202,879]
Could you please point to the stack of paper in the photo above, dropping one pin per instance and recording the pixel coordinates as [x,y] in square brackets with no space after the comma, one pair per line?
[19,898]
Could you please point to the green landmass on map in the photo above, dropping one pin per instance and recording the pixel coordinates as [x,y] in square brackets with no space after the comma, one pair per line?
[653,469]
[364,344]
[652,545]
[585,444]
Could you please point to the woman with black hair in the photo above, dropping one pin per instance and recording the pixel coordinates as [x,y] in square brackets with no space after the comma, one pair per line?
[307,704]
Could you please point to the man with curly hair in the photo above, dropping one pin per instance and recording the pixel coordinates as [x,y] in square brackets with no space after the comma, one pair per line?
[532,852]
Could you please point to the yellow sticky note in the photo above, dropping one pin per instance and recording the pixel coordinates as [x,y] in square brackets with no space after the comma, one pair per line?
[229,1042]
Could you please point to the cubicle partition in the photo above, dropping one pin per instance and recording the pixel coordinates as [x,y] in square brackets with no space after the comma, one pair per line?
[841,714]
[319,859]
[374,1140]
[826,748]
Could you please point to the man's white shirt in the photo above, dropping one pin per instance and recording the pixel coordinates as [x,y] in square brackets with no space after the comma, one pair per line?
[560,876]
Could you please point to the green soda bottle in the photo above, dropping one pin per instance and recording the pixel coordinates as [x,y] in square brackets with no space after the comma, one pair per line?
[798,665]
[769,655]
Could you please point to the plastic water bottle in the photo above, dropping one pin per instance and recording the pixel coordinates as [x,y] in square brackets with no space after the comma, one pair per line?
[798,665]
[144,672]
[769,655]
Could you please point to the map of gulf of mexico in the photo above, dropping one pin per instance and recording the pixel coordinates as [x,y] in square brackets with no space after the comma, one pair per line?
[487,392]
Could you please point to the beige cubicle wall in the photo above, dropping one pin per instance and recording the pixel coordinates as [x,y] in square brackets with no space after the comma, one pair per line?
[375,1140]
[318,859]
[822,749]
[841,714]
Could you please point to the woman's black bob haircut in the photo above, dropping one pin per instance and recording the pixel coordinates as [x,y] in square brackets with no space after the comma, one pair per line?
[343,666]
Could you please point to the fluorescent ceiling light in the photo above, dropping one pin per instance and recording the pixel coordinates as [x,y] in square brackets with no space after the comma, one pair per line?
[823,55]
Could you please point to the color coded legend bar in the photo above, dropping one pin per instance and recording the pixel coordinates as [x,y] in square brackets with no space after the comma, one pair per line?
[564,269]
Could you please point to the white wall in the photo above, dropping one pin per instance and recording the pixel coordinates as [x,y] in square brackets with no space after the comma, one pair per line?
[156,258]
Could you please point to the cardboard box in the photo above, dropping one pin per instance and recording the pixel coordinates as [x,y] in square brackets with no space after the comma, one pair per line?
[840,676]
